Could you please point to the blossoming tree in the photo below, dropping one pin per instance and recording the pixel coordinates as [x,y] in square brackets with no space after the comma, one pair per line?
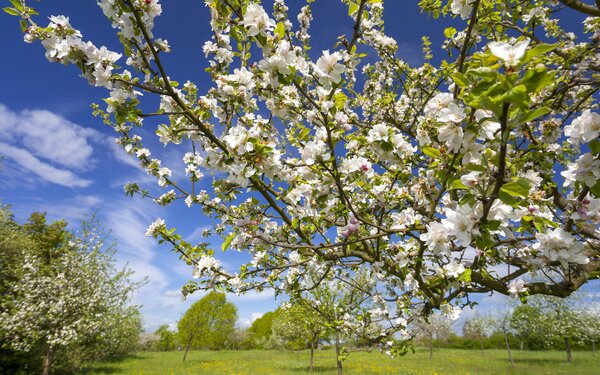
[445,179]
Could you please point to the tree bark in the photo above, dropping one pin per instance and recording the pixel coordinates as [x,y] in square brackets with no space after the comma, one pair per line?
[47,370]
[568,349]
[508,349]
[481,345]
[522,345]
[430,347]
[188,347]
[340,370]
[594,347]
[312,353]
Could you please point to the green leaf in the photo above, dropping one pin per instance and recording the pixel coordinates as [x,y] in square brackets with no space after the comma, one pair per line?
[457,184]
[596,190]
[595,146]
[538,50]
[484,72]
[352,8]
[17,5]
[340,100]
[431,152]
[541,111]
[476,168]
[303,133]
[227,241]
[459,79]
[508,199]
[449,32]
[280,29]
[517,188]
[537,79]
[517,95]
[11,11]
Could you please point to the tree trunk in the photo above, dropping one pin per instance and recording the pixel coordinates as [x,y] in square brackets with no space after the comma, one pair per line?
[594,347]
[188,347]
[508,349]
[481,345]
[522,345]
[312,354]
[340,371]
[568,349]
[48,361]
[430,348]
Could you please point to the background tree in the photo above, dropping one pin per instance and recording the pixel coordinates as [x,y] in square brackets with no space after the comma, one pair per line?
[437,326]
[528,323]
[260,331]
[477,328]
[301,326]
[591,321]
[563,320]
[208,323]
[502,323]
[166,339]
[63,295]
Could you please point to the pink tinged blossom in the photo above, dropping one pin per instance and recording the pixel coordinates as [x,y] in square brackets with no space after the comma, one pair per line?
[510,54]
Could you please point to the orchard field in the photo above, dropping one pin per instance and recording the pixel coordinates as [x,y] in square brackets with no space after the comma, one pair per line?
[445,361]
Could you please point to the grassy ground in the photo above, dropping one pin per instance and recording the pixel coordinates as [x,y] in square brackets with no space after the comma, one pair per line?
[446,361]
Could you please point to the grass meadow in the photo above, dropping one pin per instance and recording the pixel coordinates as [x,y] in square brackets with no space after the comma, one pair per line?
[252,362]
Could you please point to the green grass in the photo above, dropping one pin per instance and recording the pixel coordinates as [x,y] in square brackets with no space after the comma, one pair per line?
[445,361]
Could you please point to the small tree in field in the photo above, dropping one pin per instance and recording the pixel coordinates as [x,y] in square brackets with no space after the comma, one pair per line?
[63,295]
[502,323]
[208,323]
[300,322]
[432,177]
[437,327]
[477,328]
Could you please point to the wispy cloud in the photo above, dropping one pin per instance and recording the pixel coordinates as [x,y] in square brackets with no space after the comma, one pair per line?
[52,147]
[44,170]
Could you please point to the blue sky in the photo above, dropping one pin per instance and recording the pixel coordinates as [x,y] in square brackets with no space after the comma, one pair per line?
[59,159]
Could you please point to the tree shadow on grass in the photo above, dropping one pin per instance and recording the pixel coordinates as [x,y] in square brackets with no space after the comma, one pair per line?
[106,368]
[103,370]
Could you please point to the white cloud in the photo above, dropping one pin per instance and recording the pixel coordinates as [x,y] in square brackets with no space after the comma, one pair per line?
[44,170]
[52,147]
[49,136]
[245,322]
